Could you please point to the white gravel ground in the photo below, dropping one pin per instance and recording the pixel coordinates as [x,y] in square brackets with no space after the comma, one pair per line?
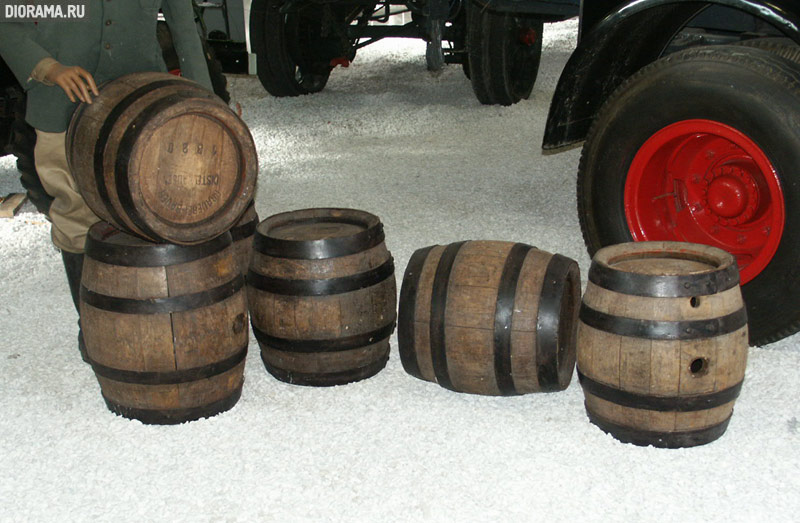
[420,152]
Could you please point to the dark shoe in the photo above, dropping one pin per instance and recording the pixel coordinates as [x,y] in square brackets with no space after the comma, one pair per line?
[73,265]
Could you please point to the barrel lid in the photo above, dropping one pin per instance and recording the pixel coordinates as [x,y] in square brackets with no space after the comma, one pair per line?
[664,269]
[315,234]
[107,244]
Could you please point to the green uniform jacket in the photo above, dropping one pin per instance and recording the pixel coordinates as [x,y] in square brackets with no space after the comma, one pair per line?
[115,37]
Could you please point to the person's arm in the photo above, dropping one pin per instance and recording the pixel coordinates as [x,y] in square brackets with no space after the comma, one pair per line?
[20,51]
[179,15]
[30,61]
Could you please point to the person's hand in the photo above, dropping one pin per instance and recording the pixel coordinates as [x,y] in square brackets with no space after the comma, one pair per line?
[76,81]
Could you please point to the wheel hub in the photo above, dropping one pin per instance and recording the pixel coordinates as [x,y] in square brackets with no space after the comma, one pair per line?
[705,182]
[730,194]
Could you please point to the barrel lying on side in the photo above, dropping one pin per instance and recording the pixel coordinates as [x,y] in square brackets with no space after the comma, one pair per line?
[489,317]
[161,157]
[165,325]
[662,342]
[322,296]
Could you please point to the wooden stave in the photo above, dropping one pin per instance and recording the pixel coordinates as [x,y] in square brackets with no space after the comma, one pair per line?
[322,359]
[242,234]
[664,420]
[136,216]
[209,378]
[415,330]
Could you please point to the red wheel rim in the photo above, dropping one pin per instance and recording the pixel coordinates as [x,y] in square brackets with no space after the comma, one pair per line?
[702,181]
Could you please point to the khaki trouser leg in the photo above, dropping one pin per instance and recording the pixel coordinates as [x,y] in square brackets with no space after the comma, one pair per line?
[69,214]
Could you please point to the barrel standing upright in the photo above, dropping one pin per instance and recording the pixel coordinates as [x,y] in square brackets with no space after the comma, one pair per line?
[662,342]
[322,296]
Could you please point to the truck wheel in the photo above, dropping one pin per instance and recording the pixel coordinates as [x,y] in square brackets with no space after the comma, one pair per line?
[218,80]
[23,141]
[702,146]
[504,50]
[784,47]
[283,45]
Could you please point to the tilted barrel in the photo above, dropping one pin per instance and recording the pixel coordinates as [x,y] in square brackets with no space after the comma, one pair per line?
[489,317]
[662,342]
[163,158]
[165,325]
[322,296]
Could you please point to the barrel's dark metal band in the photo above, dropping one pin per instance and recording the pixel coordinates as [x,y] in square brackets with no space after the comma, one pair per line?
[321,249]
[244,231]
[182,303]
[663,330]
[326,379]
[323,287]
[438,342]
[664,286]
[175,416]
[561,272]
[170,377]
[358,341]
[407,306]
[126,143]
[155,254]
[105,133]
[670,440]
[503,313]
[659,403]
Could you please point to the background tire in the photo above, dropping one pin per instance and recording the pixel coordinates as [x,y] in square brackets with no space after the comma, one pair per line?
[282,43]
[713,161]
[504,51]
[23,141]
[218,80]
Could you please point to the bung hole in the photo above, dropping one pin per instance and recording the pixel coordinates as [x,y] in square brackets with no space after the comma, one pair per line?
[699,367]
[694,302]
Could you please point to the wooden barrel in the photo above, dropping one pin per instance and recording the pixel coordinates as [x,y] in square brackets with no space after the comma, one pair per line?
[165,325]
[159,156]
[242,235]
[662,342]
[322,296]
[489,317]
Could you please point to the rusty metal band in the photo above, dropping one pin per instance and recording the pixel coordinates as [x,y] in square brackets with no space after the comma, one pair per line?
[357,341]
[170,377]
[324,248]
[503,313]
[182,303]
[663,330]
[561,273]
[326,379]
[670,440]
[438,341]
[664,286]
[175,416]
[659,403]
[152,255]
[245,230]
[407,306]
[322,287]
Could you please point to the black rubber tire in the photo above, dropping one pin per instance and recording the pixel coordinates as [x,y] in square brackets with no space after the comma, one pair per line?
[218,80]
[23,142]
[503,68]
[751,90]
[281,43]
[783,47]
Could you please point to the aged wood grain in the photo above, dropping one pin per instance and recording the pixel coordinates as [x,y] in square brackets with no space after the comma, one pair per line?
[651,388]
[161,157]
